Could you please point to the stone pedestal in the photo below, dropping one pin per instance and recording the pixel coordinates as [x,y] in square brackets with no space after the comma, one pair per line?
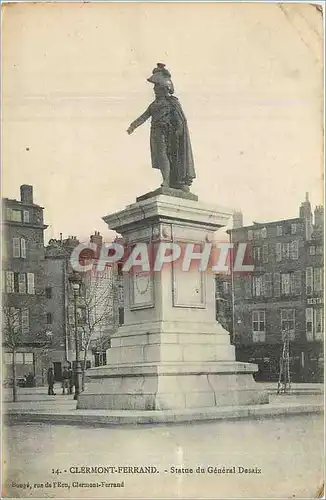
[171,353]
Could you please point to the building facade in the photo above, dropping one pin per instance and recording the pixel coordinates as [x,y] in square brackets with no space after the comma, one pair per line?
[25,334]
[96,304]
[282,296]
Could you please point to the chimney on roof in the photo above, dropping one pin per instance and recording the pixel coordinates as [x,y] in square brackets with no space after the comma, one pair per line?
[319,217]
[96,238]
[26,194]
[237,219]
[306,214]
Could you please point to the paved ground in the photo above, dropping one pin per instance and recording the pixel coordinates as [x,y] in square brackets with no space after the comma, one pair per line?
[34,405]
[288,452]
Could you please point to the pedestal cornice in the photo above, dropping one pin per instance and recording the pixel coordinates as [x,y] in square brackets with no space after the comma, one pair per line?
[164,208]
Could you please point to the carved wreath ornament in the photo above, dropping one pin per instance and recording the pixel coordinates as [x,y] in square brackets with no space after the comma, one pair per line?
[142,282]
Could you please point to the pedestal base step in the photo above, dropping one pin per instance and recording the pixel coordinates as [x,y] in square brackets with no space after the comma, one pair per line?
[169,387]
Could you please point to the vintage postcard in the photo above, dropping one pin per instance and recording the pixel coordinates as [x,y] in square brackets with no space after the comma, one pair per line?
[163,250]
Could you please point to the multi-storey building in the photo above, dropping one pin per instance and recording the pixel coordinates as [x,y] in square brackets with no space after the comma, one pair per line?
[25,334]
[282,296]
[97,305]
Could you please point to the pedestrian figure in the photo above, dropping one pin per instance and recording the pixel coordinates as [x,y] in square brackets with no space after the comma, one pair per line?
[71,381]
[50,382]
[65,381]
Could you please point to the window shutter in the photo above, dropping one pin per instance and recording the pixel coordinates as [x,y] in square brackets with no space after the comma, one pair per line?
[277,284]
[318,277]
[25,320]
[23,248]
[319,323]
[265,254]
[16,247]
[22,283]
[297,283]
[309,287]
[10,283]
[268,285]
[30,283]
[278,252]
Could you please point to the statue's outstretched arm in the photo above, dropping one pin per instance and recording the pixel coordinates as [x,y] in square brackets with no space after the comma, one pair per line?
[139,121]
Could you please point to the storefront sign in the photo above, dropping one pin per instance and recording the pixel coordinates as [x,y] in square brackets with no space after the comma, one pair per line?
[315,300]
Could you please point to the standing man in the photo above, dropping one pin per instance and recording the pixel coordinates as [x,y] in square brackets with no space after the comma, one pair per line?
[65,380]
[71,381]
[50,382]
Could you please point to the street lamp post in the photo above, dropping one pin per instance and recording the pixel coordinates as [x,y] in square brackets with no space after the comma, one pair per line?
[75,281]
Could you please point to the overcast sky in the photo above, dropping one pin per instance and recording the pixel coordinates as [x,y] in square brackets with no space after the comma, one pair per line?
[249,77]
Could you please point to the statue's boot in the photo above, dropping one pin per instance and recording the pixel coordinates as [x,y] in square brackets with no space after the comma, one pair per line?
[165,170]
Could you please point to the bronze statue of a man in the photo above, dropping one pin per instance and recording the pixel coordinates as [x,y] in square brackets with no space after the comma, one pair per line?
[170,141]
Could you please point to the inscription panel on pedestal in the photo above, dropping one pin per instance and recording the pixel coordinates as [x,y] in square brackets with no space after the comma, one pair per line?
[188,287]
[141,290]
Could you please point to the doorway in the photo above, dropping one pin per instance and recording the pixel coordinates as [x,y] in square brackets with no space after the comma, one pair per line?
[57,368]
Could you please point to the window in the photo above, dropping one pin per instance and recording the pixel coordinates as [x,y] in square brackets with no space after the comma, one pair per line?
[8,357]
[257,234]
[49,318]
[250,234]
[318,279]
[293,228]
[264,232]
[23,248]
[309,323]
[268,284]
[19,248]
[28,358]
[277,284]
[14,318]
[25,320]
[279,231]
[312,250]
[257,253]
[291,283]
[48,293]
[19,358]
[319,250]
[288,323]
[258,326]
[10,282]
[286,251]
[309,282]
[14,215]
[100,359]
[81,315]
[278,252]
[26,215]
[314,323]
[258,286]
[265,254]
[16,247]
[319,323]
[285,284]
[30,283]
[21,283]
[294,250]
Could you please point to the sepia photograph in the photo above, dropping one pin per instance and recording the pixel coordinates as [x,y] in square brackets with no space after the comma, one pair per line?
[162,250]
